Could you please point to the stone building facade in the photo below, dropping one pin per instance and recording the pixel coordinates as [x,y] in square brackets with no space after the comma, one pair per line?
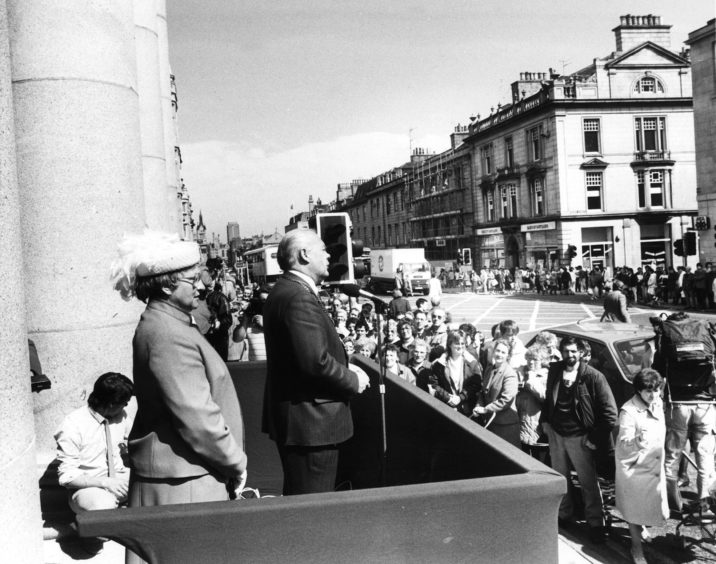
[88,154]
[425,202]
[598,164]
[703,67]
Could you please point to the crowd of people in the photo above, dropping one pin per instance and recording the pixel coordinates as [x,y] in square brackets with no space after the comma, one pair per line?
[649,284]
[186,441]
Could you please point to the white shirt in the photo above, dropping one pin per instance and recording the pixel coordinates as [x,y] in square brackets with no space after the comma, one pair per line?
[307,279]
[568,378]
[82,445]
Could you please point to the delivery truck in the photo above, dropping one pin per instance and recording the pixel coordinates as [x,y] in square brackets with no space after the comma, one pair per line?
[409,265]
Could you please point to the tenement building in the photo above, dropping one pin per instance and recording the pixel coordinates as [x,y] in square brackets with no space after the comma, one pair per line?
[426,202]
[593,168]
[703,66]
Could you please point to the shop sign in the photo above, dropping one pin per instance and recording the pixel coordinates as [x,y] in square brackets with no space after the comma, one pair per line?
[544,226]
[489,231]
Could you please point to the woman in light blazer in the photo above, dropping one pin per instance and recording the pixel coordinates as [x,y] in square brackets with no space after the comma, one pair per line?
[496,402]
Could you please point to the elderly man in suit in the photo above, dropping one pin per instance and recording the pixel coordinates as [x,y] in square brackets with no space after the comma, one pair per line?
[309,381]
[186,444]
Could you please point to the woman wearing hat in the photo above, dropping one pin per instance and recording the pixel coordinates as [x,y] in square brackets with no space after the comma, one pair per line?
[186,444]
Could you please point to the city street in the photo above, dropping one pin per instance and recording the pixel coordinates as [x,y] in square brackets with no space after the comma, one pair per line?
[533,312]
[530,311]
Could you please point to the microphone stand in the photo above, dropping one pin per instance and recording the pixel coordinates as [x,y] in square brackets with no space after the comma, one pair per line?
[380,310]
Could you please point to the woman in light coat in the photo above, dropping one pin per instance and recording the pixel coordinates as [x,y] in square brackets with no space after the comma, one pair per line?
[639,456]
[496,401]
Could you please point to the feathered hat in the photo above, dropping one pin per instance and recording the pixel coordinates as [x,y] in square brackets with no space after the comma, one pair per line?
[149,254]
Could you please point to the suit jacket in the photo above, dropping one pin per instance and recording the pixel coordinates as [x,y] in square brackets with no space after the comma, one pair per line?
[188,419]
[308,384]
[615,307]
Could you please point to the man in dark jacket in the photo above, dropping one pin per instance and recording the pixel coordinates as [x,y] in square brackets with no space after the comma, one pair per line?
[578,415]
[615,304]
[398,306]
[309,382]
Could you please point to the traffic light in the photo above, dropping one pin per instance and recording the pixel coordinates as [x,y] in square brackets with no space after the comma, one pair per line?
[690,243]
[679,247]
[466,257]
[571,251]
[334,230]
[702,222]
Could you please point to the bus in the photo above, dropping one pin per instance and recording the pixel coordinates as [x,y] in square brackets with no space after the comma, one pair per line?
[262,264]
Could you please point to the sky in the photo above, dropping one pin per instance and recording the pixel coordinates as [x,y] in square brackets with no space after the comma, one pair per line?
[284,99]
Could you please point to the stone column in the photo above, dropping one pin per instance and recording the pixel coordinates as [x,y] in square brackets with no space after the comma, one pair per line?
[170,132]
[150,115]
[80,184]
[20,520]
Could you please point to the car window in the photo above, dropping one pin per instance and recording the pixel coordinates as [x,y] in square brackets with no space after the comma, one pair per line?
[635,354]
[602,360]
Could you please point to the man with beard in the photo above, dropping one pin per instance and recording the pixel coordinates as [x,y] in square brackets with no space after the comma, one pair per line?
[578,415]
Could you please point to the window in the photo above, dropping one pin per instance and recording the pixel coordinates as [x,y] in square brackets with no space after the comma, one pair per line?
[508,200]
[650,184]
[591,136]
[486,157]
[504,202]
[594,190]
[509,153]
[650,133]
[537,196]
[534,143]
[390,235]
[490,205]
[648,85]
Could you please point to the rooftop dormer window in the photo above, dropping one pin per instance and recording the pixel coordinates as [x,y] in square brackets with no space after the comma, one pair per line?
[648,85]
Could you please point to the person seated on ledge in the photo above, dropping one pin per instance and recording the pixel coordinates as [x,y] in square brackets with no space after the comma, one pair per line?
[90,443]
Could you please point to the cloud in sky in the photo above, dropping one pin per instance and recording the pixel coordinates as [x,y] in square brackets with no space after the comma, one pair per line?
[256,186]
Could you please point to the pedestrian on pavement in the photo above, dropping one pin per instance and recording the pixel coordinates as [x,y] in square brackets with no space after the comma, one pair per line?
[578,416]
[615,304]
[496,401]
[640,484]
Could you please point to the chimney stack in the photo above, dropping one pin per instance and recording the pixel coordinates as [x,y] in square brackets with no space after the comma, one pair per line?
[635,30]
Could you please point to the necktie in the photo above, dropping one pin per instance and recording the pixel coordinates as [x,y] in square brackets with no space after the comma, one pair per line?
[110,451]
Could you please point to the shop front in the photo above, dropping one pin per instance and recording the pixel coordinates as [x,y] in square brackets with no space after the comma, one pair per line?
[540,245]
[491,247]
[598,248]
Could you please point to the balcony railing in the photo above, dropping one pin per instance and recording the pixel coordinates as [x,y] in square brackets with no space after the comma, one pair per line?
[652,156]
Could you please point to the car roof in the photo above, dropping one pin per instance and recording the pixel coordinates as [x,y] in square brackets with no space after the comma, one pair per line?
[605,331]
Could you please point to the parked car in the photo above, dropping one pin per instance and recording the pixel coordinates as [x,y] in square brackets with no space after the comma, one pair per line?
[618,350]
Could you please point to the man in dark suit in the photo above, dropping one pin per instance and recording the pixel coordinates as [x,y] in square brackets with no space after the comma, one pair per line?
[309,382]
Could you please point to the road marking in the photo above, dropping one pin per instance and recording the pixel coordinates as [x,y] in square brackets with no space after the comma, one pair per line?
[533,317]
[458,304]
[590,313]
[488,310]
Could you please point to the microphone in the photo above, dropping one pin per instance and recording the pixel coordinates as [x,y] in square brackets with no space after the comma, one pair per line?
[354,291]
